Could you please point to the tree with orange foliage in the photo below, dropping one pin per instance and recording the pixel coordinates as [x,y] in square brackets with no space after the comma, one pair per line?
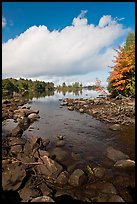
[122,78]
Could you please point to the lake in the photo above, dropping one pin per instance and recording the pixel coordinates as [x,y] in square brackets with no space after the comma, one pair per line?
[82,133]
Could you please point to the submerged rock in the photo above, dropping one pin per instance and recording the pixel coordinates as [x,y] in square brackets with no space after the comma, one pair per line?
[33,116]
[60,155]
[99,172]
[115,155]
[60,143]
[77,178]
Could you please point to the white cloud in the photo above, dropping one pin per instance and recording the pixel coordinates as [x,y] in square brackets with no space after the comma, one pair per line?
[72,51]
[4,22]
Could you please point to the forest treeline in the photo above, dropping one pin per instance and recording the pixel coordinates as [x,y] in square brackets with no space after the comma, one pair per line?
[11,85]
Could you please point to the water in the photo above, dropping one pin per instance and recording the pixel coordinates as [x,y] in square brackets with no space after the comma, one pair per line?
[83,134]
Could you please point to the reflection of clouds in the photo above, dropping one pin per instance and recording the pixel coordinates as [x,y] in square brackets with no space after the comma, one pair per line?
[85,94]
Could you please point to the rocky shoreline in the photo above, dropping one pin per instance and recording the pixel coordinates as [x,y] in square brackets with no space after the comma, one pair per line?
[119,110]
[34,170]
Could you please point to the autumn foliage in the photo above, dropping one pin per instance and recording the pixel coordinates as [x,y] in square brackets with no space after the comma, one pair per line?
[122,78]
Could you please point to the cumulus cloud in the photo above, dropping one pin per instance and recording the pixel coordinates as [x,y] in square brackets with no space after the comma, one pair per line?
[74,50]
[4,22]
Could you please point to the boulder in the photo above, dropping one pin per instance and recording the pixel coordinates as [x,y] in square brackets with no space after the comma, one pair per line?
[43,199]
[33,116]
[107,188]
[115,127]
[44,189]
[28,192]
[115,155]
[77,178]
[60,155]
[99,172]
[17,131]
[125,164]
[12,178]
[62,179]
[60,143]
[115,198]
[45,143]
[81,110]
[49,168]
[70,108]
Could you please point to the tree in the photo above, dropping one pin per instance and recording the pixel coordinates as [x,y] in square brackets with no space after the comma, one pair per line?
[122,78]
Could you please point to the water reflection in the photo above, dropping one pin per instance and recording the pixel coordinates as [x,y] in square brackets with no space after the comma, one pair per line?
[56,95]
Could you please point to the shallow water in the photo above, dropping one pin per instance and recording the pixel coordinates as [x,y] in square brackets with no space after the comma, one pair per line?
[83,134]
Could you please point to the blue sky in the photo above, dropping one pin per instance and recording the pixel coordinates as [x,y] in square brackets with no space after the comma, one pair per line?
[17,17]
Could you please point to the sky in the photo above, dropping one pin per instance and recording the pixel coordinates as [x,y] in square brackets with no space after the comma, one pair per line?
[63,41]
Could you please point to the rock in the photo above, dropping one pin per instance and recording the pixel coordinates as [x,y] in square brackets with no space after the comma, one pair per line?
[12,178]
[62,179]
[75,156]
[60,137]
[5,101]
[115,155]
[71,108]
[60,143]
[81,110]
[94,112]
[115,198]
[125,164]
[44,189]
[107,188]
[49,168]
[43,199]
[60,155]
[115,127]
[64,103]
[33,116]
[28,192]
[78,164]
[45,143]
[43,153]
[77,178]
[99,172]
[24,123]
[17,131]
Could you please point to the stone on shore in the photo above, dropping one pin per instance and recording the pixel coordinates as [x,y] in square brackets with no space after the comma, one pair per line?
[125,164]
[62,179]
[49,168]
[33,117]
[12,177]
[43,199]
[17,131]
